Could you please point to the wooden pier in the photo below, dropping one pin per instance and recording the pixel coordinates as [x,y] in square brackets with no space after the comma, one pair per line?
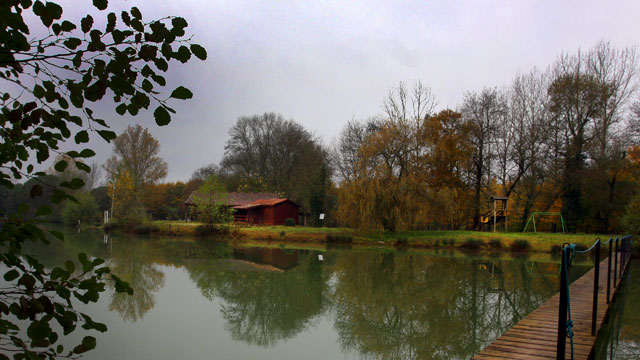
[535,336]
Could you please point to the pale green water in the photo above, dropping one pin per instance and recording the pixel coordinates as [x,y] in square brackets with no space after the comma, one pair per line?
[199,299]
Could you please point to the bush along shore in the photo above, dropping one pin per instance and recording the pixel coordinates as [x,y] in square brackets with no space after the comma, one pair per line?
[453,239]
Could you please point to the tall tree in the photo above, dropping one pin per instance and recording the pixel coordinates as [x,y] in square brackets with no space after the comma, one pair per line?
[576,99]
[136,151]
[269,153]
[483,110]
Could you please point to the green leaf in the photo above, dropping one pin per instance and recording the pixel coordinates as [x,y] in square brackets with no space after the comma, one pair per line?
[88,343]
[162,116]
[111,22]
[61,165]
[100,4]
[159,80]
[161,64]
[44,210]
[136,13]
[199,51]
[121,109]
[183,55]
[72,43]
[82,137]
[11,275]
[86,23]
[38,91]
[147,85]
[38,330]
[67,26]
[108,135]
[181,93]
[87,153]
[83,167]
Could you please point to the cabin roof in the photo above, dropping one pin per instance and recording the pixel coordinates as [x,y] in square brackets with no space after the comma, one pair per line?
[264,202]
[235,199]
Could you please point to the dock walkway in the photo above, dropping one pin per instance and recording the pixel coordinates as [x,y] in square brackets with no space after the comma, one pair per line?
[535,336]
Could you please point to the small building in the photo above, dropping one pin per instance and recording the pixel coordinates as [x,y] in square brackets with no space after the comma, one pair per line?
[268,211]
[259,208]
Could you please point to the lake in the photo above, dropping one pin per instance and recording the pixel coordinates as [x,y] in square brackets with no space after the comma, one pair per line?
[197,299]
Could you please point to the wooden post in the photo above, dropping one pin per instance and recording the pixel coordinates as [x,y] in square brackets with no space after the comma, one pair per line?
[494,215]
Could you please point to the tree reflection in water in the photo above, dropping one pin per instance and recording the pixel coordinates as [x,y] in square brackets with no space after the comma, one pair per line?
[398,306]
[133,260]
[263,305]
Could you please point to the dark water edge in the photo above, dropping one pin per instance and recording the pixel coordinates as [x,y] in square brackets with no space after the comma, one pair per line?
[196,298]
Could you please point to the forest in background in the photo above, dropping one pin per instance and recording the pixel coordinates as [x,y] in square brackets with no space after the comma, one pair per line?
[562,139]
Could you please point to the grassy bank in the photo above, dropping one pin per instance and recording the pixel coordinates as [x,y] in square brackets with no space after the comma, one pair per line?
[453,239]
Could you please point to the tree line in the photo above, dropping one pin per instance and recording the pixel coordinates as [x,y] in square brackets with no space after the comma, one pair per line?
[563,139]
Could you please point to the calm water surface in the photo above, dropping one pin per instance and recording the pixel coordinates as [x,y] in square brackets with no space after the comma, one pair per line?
[198,299]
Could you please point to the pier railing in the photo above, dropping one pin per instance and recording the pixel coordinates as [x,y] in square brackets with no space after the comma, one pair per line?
[619,256]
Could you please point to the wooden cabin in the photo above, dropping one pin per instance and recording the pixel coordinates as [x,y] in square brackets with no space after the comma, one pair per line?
[269,211]
[259,208]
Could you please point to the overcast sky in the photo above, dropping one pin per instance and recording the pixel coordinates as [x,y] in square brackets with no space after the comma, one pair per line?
[322,63]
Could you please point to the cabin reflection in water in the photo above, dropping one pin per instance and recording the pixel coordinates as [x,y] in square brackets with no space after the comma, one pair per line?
[267,259]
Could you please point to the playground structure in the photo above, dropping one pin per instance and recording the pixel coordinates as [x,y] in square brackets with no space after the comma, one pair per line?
[498,214]
[532,220]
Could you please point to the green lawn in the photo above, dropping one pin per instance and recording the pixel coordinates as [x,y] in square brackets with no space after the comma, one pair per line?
[423,238]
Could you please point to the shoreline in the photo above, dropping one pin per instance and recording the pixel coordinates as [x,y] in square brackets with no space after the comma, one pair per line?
[422,239]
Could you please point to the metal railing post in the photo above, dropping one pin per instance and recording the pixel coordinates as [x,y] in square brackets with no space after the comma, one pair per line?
[562,311]
[609,272]
[596,286]
[615,265]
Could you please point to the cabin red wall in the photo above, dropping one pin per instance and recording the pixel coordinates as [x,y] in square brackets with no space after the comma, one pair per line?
[285,210]
[273,215]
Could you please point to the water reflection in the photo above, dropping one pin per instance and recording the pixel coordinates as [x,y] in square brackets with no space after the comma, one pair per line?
[378,304]
[263,304]
[133,261]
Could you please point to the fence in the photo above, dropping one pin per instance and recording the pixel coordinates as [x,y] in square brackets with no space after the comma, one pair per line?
[619,256]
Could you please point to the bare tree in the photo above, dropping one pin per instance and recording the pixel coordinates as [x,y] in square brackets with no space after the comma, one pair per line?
[484,112]
[345,151]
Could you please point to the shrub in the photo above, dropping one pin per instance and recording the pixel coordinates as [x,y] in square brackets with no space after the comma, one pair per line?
[472,243]
[444,242]
[85,210]
[282,233]
[339,238]
[452,242]
[289,222]
[437,243]
[520,245]
[496,244]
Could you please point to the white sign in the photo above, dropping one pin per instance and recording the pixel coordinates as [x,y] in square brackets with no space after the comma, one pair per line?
[321,216]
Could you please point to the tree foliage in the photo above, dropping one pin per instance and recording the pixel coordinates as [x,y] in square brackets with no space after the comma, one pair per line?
[210,201]
[49,85]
